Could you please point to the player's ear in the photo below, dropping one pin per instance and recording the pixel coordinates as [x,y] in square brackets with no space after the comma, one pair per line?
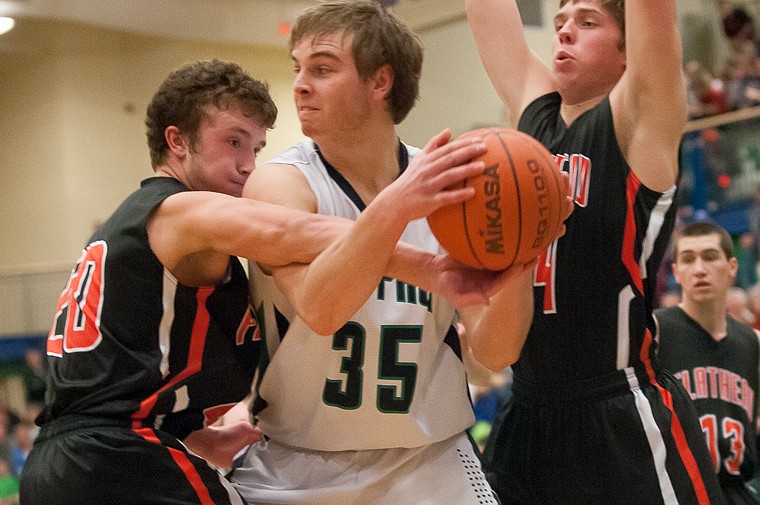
[382,82]
[176,141]
[733,264]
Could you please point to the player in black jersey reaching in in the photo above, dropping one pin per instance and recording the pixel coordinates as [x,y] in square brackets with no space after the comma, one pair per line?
[715,356]
[154,338]
[592,418]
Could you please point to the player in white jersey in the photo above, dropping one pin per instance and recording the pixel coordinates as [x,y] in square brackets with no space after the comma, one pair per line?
[363,394]
[379,384]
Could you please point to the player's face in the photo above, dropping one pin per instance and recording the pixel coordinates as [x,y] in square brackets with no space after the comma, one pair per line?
[587,59]
[702,269]
[224,154]
[331,98]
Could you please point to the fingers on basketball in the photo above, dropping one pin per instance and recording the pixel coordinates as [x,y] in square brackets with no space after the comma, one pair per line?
[518,207]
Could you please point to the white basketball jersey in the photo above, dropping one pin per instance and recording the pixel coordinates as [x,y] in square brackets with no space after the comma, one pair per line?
[390,377]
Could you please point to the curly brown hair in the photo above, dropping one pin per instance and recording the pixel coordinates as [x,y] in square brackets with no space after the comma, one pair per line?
[183,100]
[380,38]
[617,9]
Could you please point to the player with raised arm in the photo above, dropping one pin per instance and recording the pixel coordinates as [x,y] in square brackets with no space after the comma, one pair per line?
[593,419]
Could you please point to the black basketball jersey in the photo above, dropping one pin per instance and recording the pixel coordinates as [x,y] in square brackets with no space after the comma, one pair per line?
[594,287]
[131,343]
[722,379]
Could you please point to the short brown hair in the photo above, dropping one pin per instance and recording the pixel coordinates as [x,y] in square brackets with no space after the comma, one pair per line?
[183,99]
[617,9]
[701,228]
[380,38]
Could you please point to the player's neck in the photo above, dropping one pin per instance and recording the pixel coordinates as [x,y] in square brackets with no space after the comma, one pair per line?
[171,168]
[711,316]
[368,162]
[572,108]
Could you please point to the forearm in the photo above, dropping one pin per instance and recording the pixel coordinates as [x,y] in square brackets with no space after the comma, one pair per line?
[304,238]
[497,332]
[412,266]
[276,235]
[355,263]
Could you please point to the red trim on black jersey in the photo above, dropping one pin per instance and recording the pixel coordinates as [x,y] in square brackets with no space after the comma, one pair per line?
[194,356]
[682,445]
[629,236]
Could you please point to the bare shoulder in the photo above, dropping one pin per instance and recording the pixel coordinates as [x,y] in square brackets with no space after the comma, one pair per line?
[179,232]
[283,184]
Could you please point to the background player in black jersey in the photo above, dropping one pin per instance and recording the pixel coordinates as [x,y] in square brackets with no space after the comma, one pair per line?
[592,419]
[154,337]
[715,356]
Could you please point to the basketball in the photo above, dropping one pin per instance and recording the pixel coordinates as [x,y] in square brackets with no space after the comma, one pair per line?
[517,208]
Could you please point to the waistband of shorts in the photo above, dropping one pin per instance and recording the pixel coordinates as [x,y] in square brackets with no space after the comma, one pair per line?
[77,422]
[612,384]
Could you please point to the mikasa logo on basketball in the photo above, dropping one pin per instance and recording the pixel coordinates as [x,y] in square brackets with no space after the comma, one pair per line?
[494,232]
[516,207]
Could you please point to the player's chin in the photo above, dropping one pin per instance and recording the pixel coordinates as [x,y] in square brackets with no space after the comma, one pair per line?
[235,189]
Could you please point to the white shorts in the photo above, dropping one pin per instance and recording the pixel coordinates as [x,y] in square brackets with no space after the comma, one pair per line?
[446,472]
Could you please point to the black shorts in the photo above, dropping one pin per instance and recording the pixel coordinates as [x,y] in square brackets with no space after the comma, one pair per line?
[740,493]
[77,463]
[617,440]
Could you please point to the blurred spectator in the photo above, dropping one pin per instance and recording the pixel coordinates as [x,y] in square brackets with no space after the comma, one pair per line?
[741,78]
[31,411]
[21,444]
[753,219]
[8,485]
[705,93]
[754,304]
[486,402]
[746,274]
[5,444]
[739,28]
[7,417]
[737,306]
[34,376]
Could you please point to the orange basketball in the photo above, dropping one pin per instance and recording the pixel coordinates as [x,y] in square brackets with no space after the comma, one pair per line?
[517,207]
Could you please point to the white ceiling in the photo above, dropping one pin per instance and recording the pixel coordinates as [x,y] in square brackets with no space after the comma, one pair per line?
[253,22]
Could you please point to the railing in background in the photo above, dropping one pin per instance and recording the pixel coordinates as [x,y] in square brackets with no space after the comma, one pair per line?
[720,161]
[28,295]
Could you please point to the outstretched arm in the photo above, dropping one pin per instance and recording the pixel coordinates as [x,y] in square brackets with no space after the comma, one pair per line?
[649,101]
[497,332]
[518,75]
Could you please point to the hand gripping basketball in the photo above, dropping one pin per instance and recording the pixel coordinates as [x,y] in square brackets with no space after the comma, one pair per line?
[517,210]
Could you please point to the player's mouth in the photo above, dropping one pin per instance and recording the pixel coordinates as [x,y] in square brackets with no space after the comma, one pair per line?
[562,56]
